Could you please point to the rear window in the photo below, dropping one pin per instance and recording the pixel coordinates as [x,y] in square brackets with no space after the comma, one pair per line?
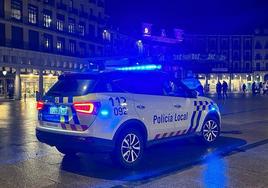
[72,87]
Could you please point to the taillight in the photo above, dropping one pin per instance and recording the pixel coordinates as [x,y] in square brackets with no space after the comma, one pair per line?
[40,105]
[86,107]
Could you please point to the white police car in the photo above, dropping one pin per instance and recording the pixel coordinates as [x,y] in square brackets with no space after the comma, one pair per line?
[122,112]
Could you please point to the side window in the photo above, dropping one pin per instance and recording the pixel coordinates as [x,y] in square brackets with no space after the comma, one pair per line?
[106,87]
[141,85]
[172,88]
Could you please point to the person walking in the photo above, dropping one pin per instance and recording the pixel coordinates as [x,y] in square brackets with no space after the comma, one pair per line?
[253,88]
[218,89]
[265,88]
[224,89]
[244,87]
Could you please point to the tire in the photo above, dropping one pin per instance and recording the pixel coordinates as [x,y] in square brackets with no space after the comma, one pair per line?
[65,150]
[210,130]
[129,148]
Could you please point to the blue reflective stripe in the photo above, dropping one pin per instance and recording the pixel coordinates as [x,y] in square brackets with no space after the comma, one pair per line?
[60,99]
[70,99]
[198,119]
[192,122]
[75,118]
[66,119]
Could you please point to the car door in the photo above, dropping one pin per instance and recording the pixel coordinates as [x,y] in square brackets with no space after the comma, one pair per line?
[183,108]
[157,114]
[153,107]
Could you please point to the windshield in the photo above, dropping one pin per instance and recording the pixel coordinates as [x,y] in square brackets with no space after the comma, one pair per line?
[72,87]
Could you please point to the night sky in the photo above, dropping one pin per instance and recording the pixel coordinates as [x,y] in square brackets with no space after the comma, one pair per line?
[194,16]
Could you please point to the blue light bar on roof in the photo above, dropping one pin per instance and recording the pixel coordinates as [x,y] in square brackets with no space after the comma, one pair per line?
[140,68]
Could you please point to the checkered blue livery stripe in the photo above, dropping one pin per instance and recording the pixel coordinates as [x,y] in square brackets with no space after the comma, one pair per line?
[199,108]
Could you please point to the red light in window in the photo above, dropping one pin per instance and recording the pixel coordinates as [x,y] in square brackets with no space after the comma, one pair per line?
[40,105]
[84,107]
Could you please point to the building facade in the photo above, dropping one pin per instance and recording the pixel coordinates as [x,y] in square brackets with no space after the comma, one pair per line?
[236,59]
[39,39]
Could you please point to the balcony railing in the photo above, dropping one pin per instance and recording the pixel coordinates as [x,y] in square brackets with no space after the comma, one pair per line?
[41,48]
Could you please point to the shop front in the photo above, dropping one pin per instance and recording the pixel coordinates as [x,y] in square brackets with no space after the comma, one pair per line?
[234,81]
[30,84]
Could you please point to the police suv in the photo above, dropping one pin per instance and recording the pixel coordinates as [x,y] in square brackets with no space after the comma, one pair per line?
[122,112]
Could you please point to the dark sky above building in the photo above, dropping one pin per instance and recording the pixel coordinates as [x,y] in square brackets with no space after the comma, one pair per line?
[194,16]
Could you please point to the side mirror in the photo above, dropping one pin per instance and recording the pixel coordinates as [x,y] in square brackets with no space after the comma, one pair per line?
[195,93]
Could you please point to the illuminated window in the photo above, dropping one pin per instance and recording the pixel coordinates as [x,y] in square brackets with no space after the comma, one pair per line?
[32,14]
[16,9]
[72,46]
[81,29]
[48,42]
[60,25]
[47,18]
[106,35]
[60,22]
[71,25]
[60,44]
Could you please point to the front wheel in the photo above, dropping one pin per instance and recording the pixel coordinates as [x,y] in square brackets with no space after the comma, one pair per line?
[210,130]
[129,149]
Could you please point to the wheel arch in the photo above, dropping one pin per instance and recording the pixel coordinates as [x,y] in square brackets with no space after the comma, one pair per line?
[213,114]
[139,125]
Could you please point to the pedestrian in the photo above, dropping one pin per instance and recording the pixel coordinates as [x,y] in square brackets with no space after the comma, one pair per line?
[265,88]
[253,88]
[218,89]
[244,87]
[37,96]
[224,89]
[260,88]
[24,97]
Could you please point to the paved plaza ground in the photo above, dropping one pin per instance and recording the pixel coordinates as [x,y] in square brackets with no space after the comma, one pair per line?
[238,159]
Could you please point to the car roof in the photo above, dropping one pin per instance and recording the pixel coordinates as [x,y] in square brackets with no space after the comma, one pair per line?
[112,75]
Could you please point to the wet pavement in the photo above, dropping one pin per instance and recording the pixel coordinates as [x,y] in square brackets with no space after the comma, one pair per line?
[238,159]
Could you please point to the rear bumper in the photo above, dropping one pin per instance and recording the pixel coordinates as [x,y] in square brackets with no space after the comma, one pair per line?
[77,143]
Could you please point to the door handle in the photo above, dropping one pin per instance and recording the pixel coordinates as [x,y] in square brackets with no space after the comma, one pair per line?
[140,107]
[177,106]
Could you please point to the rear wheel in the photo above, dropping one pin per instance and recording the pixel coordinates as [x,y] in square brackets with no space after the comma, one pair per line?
[65,150]
[210,130]
[129,148]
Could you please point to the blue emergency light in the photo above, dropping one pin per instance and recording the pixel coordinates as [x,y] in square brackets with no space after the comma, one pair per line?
[140,68]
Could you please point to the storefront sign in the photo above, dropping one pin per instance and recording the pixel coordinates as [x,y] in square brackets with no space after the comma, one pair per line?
[200,57]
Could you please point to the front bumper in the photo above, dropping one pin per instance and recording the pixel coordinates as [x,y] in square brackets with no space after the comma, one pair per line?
[77,143]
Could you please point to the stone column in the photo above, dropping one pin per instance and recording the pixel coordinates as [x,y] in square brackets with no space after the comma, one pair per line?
[41,83]
[17,93]
[230,82]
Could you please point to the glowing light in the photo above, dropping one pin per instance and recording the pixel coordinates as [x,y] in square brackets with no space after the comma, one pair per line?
[146,30]
[140,68]
[247,75]
[4,72]
[50,75]
[104,112]
[84,107]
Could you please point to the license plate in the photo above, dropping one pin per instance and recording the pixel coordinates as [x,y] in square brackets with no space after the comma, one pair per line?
[58,110]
